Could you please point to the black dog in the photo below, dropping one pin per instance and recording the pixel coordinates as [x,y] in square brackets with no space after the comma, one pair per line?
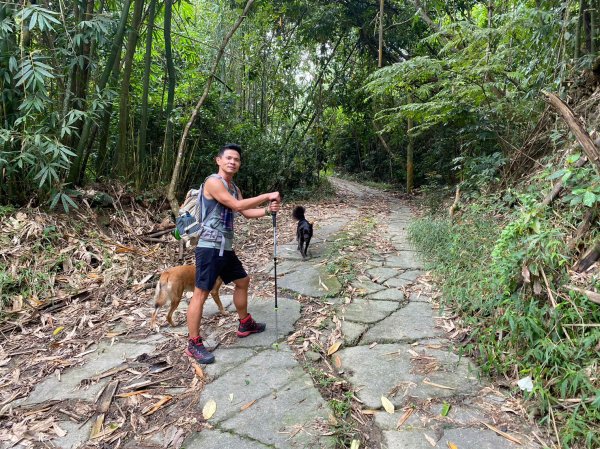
[304,231]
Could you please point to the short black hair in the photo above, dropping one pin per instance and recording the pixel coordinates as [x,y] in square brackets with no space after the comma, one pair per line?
[230,146]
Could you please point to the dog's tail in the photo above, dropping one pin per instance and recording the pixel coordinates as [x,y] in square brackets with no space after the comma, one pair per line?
[298,213]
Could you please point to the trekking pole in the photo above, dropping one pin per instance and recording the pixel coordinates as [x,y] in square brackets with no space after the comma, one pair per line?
[274,216]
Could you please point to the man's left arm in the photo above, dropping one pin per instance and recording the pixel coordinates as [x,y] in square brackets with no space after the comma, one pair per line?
[273,206]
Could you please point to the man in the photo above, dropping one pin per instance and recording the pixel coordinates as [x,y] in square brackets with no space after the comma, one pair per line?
[215,257]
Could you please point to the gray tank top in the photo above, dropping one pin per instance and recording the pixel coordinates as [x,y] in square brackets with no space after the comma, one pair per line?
[217,220]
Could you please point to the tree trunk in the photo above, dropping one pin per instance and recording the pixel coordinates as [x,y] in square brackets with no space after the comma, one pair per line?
[167,155]
[380,62]
[146,83]
[579,25]
[77,167]
[104,157]
[124,160]
[180,153]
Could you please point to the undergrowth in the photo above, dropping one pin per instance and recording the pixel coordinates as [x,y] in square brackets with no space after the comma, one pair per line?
[506,270]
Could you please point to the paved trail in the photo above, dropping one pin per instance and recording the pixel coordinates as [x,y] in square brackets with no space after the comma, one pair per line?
[265,398]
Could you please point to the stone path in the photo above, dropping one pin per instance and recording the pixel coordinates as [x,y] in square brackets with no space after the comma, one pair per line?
[265,399]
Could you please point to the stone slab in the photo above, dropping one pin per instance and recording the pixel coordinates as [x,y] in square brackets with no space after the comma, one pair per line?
[257,377]
[227,359]
[388,294]
[216,439]
[366,286]
[397,282]
[382,274]
[367,311]
[107,356]
[467,438]
[287,418]
[279,323]
[305,281]
[391,366]
[77,434]
[411,275]
[408,260]
[412,322]
[352,332]
[420,297]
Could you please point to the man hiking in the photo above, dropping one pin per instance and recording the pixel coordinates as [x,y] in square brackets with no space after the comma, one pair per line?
[220,199]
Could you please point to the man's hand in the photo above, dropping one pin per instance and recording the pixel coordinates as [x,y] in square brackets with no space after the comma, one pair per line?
[274,206]
[275,196]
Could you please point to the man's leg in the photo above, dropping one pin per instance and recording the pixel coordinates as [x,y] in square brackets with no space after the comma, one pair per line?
[247,324]
[240,296]
[194,312]
[195,347]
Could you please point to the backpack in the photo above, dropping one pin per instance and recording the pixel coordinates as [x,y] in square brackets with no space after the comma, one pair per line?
[189,220]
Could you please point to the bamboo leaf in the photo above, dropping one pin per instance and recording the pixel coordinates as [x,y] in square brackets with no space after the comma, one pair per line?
[387,405]
[209,409]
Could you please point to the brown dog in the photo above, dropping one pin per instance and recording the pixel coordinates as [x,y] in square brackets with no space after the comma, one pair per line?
[173,282]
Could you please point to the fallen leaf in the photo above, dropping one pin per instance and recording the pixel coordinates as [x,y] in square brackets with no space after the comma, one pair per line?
[155,407]
[58,330]
[430,440]
[445,409]
[337,361]
[452,445]
[334,347]
[404,417]
[198,370]
[209,409]
[387,405]
[502,434]
[355,444]
[248,405]
[427,382]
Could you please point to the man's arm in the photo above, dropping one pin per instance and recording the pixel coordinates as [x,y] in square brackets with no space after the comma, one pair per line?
[214,189]
[273,206]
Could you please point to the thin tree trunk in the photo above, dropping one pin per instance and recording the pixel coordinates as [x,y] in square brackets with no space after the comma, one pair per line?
[123,155]
[182,143]
[146,84]
[380,63]
[77,166]
[167,155]
[104,158]
[579,25]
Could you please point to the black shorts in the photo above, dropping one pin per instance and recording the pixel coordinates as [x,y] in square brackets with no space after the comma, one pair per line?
[209,266]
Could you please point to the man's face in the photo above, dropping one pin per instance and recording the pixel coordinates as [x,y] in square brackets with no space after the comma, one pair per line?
[230,161]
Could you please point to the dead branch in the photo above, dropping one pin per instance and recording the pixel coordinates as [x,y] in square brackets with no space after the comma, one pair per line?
[592,296]
[577,128]
[588,259]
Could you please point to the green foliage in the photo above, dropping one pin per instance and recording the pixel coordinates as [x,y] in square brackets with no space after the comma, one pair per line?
[505,270]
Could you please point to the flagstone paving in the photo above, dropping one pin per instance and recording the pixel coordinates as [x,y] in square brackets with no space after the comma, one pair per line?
[264,397]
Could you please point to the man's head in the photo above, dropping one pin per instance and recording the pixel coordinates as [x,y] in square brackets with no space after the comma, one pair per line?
[230,146]
[229,159]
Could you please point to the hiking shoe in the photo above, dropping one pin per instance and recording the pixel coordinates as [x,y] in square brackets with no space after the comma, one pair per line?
[198,352]
[249,326]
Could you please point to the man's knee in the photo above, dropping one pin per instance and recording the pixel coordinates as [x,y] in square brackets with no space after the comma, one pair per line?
[199,295]
[242,283]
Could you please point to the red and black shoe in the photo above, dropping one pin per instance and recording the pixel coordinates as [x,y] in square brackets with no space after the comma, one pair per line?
[249,326]
[198,352]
